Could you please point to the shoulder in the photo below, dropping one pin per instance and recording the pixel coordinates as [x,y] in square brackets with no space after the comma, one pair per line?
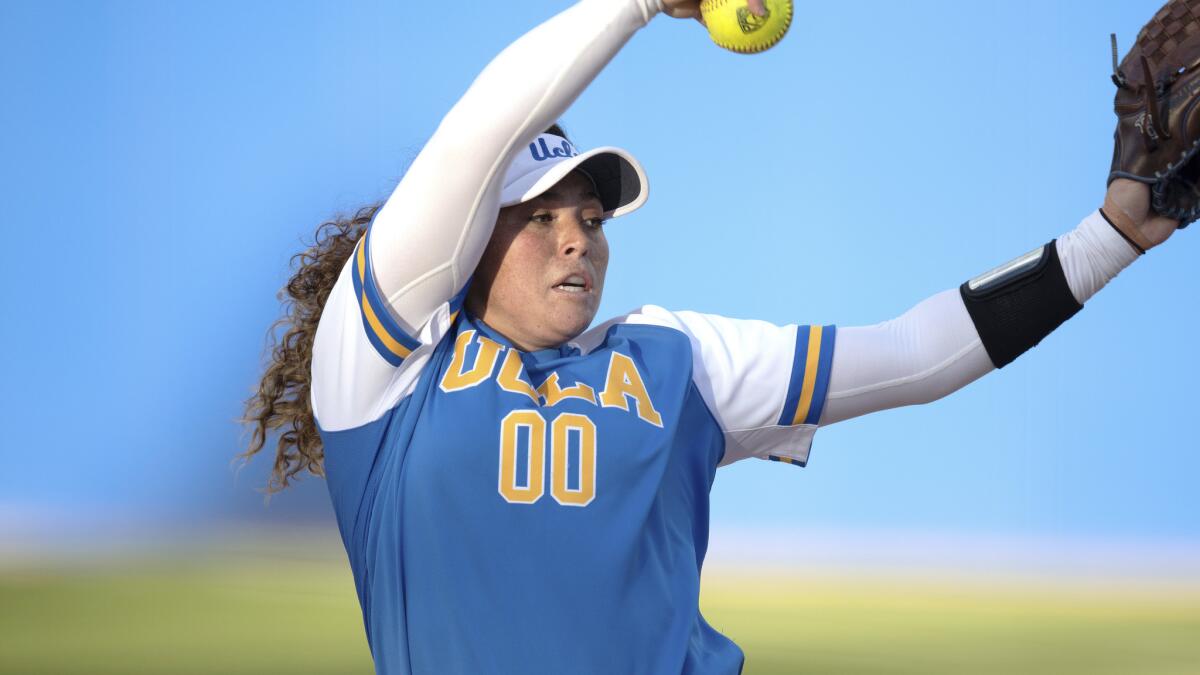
[646,315]
[699,329]
[647,320]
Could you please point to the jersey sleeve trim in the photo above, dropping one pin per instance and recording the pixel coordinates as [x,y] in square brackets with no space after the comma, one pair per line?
[809,383]
[787,460]
[383,331]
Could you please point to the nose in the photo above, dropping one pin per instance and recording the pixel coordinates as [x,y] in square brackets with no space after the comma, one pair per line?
[575,238]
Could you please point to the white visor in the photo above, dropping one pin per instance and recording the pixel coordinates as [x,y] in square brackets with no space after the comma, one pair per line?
[619,179]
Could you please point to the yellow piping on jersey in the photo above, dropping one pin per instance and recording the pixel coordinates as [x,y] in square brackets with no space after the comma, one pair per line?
[810,374]
[386,338]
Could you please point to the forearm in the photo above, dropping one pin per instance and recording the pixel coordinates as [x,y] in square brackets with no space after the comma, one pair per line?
[918,357]
[429,236]
[935,348]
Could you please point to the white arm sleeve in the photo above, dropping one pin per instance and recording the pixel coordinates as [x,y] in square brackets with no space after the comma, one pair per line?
[429,236]
[918,357]
[933,349]
[391,301]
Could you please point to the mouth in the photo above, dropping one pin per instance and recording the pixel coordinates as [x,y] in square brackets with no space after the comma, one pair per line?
[579,283]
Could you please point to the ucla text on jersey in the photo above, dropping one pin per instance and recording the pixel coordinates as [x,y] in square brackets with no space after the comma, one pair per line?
[564,491]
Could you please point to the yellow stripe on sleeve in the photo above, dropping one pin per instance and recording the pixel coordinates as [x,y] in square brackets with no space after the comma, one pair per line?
[810,374]
[380,332]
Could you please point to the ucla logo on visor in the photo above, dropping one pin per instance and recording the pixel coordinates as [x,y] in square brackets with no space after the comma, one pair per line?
[542,151]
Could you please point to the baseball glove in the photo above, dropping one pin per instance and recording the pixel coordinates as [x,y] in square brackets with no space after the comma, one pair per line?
[1158,120]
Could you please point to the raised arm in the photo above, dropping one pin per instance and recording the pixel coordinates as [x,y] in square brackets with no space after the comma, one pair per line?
[427,239]
[429,236]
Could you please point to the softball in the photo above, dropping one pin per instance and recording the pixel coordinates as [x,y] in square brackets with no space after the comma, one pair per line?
[733,26]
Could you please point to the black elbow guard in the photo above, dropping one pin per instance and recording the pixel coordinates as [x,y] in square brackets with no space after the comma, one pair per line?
[1017,304]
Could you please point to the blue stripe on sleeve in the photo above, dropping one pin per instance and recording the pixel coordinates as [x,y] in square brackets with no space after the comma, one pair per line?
[388,355]
[824,365]
[378,305]
[786,460]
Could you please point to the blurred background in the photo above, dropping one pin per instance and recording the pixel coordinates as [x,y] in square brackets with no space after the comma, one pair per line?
[161,161]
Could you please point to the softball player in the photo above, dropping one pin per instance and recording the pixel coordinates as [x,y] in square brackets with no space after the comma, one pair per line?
[518,494]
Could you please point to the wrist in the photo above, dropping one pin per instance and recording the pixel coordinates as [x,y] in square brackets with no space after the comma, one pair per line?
[1123,224]
[1126,207]
[1092,254]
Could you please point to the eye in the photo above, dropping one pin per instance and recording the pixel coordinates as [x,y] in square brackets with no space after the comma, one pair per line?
[595,223]
[542,217]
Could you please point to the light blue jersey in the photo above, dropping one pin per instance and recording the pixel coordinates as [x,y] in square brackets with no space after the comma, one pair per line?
[547,512]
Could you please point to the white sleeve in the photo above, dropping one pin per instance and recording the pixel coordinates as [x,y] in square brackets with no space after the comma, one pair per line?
[918,357]
[405,279]
[429,236]
[765,384]
[933,349]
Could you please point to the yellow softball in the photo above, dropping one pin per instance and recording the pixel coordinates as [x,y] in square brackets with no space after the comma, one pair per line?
[733,26]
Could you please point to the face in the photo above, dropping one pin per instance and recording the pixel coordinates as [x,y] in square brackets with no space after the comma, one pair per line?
[540,279]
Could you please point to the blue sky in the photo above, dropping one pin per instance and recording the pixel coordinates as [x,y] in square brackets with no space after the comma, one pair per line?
[162,161]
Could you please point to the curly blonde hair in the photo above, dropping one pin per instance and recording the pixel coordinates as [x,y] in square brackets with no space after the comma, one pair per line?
[281,403]
[282,400]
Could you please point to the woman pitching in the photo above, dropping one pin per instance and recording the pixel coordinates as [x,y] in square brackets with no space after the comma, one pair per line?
[518,493]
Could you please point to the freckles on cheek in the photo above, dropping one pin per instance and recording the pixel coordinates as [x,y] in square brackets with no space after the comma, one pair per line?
[519,273]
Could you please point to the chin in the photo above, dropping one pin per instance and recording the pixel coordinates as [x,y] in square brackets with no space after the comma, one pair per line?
[571,325]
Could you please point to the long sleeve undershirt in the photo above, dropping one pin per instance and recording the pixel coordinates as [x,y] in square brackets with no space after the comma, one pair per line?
[933,349]
[429,236]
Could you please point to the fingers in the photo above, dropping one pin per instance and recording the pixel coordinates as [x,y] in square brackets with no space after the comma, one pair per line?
[685,9]
[682,9]
[683,13]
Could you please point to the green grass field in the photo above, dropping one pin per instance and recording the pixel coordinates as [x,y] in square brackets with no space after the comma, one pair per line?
[278,615]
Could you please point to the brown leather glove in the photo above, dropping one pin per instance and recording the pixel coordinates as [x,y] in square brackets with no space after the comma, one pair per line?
[1158,111]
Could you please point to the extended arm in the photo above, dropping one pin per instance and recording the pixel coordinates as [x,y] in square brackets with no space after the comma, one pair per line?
[952,339]
[936,347]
